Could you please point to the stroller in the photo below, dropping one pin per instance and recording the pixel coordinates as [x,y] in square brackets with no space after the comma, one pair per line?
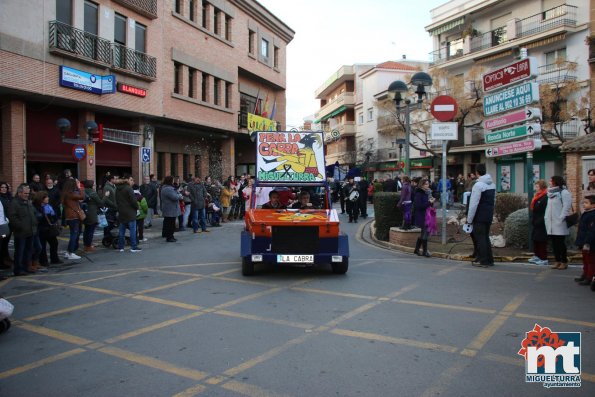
[111,239]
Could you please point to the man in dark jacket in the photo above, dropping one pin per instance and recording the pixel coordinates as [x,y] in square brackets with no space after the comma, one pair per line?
[351,193]
[54,195]
[198,193]
[110,204]
[127,207]
[363,197]
[149,192]
[481,212]
[23,224]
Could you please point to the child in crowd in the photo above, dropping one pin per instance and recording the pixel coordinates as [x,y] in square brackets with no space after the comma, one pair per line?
[585,239]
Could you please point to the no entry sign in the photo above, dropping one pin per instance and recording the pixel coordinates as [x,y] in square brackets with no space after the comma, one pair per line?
[444,108]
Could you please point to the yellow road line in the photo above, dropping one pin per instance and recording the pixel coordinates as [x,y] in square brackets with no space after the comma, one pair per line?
[334,293]
[264,319]
[75,340]
[171,285]
[167,302]
[247,298]
[192,391]
[200,265]
[225,272]
[349,315]
[174,273]
[153,327]
[41,363]
[30,293]
[403,290]
[154,363]
[106,277]
[442,306]
[449,269]
[394,340]
[556,319]
[70,309]
[89,272]
[518,362]
[445,379]
[243,281]
[250,390]
[94,289]
[3,283]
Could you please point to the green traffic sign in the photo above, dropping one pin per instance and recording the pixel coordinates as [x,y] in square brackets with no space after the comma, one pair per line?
[512,133]
[510,98]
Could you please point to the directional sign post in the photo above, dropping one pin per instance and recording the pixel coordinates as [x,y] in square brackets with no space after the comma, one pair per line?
[514,147]
[510,98]
[509,134]
[515,117]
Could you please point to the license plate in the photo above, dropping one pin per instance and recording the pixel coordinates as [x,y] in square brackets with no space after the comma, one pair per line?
[295,258]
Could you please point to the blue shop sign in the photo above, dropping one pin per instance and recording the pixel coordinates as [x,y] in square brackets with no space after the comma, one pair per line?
[84,81]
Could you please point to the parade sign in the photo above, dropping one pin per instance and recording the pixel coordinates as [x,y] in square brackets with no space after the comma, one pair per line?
[258,123]
[522,131]
[518,116]
[290,157]
[515,72]
[511,98]
[514,147]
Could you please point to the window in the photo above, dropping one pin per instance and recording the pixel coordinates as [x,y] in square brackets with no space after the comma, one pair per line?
[216,22]
[370,114]
[174,163]
[216,91]
[64,11]
[554,58]
[205,14]
[247,103]
[185,165]
[191,75]
[251,36]
[276,57]
[90,18]
[264,48]
[227,95]
[205,87]
[177,6]
[191,13]
[120,29]
[227,28]
[360,118]
[177,71]
[140,34]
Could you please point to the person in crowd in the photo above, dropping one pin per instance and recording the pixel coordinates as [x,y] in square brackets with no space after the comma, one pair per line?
[73,214]
[170,208]
[444,195]
[141,214]
[362,187]
[185,219]
[405,202]
[54,195]
[481,214]
[388,184]
[4,232]
[35,184]
[585,240]
[460,188]
[63,177]
[351,193]
[274,202]
[226,194]
[94,203]
[198,195]
[591,176]
[371,191]
[247,193]
[110,204]
[213,209]
[6,261]
[155,182]
[48,220]
[234,211]
[127,207]
[243,184]
[23,223]
[559,205]
[303,202]
[149,192]
[538,231]
[470,181]
[342,196]
[422,200]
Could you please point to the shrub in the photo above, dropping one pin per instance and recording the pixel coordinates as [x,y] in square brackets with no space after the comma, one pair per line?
[516,229]
[507,203]
[386,213]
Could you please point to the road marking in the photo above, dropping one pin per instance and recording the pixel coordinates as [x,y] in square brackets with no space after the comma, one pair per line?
[445,379]
[242,281]
[170,272]
[492,270]
[199,265]
[250,390]
[556,319]
[450,269]
[171,285]
[41,363]
[225,272]
[75,340]
[4,282]
[247,298]
[153,327]
[70,309]
[30,293]
[442,306]
[264,319]
[190,392]
[167,302]
[105,277]
[394,340]
[334,293]
[154,363]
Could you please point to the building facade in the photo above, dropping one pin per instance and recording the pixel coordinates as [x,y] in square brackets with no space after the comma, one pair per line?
[176,77]
[492,34]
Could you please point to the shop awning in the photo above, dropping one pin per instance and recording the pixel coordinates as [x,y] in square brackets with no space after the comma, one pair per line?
[332,114]
[447,26]
[421,163]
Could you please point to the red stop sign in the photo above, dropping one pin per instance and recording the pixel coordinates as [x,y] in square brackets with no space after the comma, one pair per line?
[444,108]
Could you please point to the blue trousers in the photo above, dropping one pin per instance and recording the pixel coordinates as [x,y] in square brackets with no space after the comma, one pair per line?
[122,233]
[23,249]
[198,217]
[74,226]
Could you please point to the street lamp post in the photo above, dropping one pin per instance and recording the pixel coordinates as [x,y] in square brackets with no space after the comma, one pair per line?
[395,90]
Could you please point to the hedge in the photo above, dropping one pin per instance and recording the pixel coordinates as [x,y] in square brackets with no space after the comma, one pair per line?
[507,203]
[386,213]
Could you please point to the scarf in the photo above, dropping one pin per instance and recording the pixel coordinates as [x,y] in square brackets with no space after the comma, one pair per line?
[537,196]
[552,191]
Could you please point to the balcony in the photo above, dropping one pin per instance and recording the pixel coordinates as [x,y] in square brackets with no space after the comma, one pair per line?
[346,129]
[345,73]
[69,41]
[66,40]
[147,8]
[556,18]
[557,73]
[345,100]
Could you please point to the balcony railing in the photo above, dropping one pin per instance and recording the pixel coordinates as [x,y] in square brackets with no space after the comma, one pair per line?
[147,8]
[385,121]
[557,73]
[134,61]
[64,37]
[564,15]
[344,99]
[568,130]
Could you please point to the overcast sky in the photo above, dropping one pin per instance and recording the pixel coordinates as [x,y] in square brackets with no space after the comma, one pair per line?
[332,33]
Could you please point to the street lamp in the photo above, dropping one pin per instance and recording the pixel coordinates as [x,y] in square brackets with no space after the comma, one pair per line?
[396,90]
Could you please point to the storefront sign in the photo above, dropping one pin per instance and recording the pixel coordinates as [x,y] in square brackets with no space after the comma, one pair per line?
[132,90]
[511,98]
[514,147]
[88,82]
[79,152]
[258,123]
[515,72]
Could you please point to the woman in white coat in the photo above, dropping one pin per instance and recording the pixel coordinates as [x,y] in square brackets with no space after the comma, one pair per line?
[559,206]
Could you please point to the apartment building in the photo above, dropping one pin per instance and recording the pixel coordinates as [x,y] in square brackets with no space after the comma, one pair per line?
[491,34]
[177,77]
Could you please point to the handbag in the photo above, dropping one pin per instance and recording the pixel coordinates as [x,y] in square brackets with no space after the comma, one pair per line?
[572,219]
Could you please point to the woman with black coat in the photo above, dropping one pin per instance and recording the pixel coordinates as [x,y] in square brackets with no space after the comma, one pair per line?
[539,232]
[6,198]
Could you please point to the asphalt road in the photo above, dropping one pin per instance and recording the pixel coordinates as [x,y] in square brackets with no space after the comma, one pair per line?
[178,319]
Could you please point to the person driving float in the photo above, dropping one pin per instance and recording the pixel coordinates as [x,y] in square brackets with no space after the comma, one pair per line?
[303,201]
[274,201]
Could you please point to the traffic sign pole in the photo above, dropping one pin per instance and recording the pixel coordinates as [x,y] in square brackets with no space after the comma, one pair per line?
[443,195]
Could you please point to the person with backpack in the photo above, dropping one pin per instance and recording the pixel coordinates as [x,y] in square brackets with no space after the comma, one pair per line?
[351,193]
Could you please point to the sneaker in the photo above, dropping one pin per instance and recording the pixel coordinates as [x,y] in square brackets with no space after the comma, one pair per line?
[534,259]
[137,249]
[540,262]
[145,239]
[72,255]
[121,250]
